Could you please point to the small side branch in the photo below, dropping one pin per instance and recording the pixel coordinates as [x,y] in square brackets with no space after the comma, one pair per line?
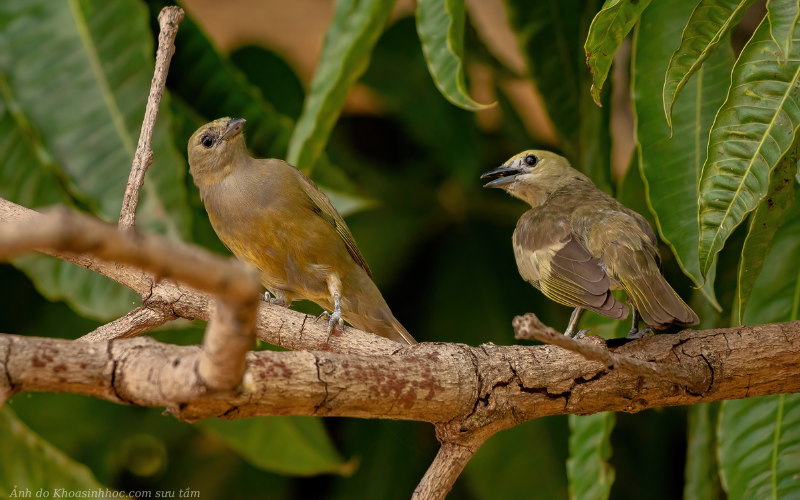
[443,472]
[168,20]
[530,327]
[140,320]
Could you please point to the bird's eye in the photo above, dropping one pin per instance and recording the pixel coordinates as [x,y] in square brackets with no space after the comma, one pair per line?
[207,141]
[531,160]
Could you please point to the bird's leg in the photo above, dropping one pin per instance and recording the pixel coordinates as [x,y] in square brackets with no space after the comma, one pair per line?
[635,333]
[573,325]
[335,287]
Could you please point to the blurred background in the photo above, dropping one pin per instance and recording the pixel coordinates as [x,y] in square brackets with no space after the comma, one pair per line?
[401,162]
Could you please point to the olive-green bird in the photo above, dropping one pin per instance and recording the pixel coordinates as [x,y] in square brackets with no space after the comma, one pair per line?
[274,218]
[577,243]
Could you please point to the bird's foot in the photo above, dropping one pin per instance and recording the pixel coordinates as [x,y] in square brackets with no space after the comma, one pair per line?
[335,319]
[324,315]
[269,299]
[638,334]
[577,335]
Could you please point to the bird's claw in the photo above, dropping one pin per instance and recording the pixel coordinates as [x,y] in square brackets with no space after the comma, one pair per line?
[638,334]
[578,335]
[269,299]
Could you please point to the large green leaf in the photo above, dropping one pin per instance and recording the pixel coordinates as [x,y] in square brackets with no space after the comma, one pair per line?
[782,16]
[291,445]
[759,450]
[701,481]
[76,76]
[759,447]
[672,167]
[80,72]
[440,24]
[32,465]
[752,131]
[708,27]
[590,475]
[776,293]
[764,224]
[554,24]
[349,41]
[610,26]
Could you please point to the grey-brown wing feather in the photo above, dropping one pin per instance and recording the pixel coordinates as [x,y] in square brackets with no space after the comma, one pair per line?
[552,259]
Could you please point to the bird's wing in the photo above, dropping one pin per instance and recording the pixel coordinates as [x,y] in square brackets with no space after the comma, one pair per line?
[551,258]
[323,207]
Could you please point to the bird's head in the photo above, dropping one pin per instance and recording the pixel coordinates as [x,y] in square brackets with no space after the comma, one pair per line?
[529,174]
[216,145]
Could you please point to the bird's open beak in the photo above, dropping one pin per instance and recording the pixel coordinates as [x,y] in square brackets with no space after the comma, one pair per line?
[234,128]
[501,176]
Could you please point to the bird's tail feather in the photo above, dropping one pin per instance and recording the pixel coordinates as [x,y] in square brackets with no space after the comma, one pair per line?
[402,332]
[658,303]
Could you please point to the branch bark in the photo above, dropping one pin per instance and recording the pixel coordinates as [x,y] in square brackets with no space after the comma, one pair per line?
[470,389]
[168,20]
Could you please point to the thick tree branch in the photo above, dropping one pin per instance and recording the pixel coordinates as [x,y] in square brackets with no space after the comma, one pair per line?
[471,389]
[168,21]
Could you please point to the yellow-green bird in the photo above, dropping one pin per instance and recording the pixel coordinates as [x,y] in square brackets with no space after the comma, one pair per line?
[577,243]
[274,218]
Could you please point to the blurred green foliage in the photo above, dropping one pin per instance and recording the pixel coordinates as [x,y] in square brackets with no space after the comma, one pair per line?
[73,86]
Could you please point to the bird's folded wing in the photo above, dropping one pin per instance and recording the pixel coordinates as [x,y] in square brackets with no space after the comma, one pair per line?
[551,258]
[322,205]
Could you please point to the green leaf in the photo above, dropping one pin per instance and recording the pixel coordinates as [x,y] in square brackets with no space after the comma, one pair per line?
[764,224]
[759,447]
[702,475]
[610,26]
[440,24]
[752,131]
[346,50]
[594,137]
[708,27]
[556,70]
[759,438]
[31,464]
[590,475]
[79,134]
[672,167]
[297,446]
[776,293]
[89,123]
[782,16]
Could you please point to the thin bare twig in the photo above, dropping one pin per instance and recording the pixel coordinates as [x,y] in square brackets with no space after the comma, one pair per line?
[140,320]
[168,21]
[529,326]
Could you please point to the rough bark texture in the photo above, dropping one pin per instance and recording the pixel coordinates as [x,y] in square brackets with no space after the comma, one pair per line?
[473,387]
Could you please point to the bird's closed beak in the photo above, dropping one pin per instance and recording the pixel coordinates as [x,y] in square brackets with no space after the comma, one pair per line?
[234,128]
[501,176]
